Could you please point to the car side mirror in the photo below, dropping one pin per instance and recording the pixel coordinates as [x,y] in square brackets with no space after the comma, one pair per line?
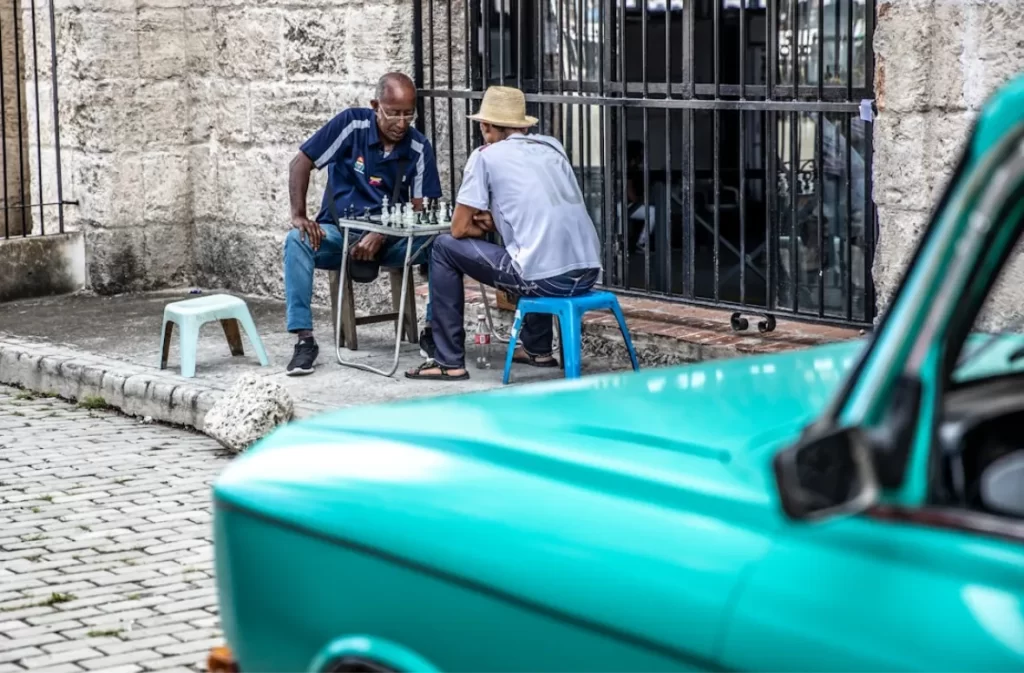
[827,474]
[1001,485]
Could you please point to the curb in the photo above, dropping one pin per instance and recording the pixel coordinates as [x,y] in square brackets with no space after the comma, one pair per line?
[78,375]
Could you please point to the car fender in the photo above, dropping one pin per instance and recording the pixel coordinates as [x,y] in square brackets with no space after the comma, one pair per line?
[379,651]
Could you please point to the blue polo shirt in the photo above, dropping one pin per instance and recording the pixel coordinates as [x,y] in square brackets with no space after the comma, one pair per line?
[349,145]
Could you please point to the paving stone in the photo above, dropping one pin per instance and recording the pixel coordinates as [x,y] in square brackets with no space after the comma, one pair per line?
[64,668]
[20,653]
[122,646]
[11,668]
[43,639]
[124,528]
[113,661]
[48,661]
[60,616]
[64,645]
[194,659]
[172,629]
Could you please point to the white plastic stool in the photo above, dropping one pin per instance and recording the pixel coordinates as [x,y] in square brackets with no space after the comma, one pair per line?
[191,314]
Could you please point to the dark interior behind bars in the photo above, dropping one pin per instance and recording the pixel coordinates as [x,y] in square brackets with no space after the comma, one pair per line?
[723,147]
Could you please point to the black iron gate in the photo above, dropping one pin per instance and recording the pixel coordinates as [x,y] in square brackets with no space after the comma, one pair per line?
[30,146]
[724,146]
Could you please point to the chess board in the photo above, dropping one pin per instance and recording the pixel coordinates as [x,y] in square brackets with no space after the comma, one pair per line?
[375,224]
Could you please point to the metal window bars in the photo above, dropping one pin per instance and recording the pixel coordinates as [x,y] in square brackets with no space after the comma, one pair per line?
[30,144]
[719,143]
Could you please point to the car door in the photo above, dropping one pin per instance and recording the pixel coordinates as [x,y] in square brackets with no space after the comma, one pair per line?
[908,585]
[882,591]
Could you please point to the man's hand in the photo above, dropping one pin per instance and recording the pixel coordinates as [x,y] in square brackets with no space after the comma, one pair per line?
[368,247]
[484,220]
[468,222]
[308,229]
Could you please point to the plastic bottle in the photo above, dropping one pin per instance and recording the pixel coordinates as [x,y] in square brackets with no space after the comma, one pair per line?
[482,343]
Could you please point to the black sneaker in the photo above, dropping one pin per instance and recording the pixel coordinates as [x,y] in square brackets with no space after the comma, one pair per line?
[427,347]
[305,355]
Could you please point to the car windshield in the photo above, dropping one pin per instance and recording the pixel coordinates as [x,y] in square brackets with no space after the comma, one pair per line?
[991,354]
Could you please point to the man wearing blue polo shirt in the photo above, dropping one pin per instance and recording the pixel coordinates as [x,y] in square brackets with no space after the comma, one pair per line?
[370,153]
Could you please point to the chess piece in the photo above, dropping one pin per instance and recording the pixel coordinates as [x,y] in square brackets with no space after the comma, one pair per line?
[385,212]
[366,214]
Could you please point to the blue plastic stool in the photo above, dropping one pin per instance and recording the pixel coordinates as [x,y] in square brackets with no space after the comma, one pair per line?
[191,314]
[569,311]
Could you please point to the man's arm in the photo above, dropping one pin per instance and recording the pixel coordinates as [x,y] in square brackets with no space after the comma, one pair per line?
[471,219]
[298,186]
[470,222]
[318,151]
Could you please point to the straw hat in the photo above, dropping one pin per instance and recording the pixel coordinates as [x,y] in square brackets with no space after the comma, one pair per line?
[504,106]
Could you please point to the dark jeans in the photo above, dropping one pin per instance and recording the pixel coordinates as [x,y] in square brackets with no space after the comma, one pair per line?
[453,258]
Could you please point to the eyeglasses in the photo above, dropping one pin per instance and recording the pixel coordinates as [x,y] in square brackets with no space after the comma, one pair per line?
[410,118]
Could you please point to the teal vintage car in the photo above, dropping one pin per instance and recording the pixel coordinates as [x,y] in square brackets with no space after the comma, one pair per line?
[853,507]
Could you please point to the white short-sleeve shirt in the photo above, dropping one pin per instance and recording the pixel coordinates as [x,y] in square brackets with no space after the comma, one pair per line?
[528,185]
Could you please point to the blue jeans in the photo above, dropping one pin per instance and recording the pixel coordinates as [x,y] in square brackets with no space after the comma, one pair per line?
[453,258]
[300,260]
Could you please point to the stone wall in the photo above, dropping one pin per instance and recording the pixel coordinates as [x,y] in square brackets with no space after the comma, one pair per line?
[937,63]
[179,118]
[262,79]
[124,137]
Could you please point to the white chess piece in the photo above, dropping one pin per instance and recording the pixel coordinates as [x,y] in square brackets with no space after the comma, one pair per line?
[385,214]
[442,213]
[410,216]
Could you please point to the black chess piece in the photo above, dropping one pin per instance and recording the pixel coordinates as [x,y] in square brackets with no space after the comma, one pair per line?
[366,214]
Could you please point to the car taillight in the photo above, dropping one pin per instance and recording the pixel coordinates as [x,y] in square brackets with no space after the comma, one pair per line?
[221,660]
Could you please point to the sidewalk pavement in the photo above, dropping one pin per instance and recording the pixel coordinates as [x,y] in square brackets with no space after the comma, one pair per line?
[85,346]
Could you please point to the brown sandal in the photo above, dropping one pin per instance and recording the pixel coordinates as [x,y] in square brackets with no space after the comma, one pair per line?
[443,376]
[532,360]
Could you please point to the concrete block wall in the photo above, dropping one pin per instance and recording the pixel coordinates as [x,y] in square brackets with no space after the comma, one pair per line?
[124,140]
[179,117]
[261,79]
[937,63]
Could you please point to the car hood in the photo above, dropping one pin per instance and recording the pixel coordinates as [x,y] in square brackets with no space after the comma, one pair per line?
[655,484]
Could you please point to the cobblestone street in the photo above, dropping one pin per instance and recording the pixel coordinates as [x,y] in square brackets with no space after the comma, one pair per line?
[105,554]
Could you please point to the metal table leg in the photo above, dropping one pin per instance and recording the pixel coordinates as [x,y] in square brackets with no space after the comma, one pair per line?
[401,312]
[487,312]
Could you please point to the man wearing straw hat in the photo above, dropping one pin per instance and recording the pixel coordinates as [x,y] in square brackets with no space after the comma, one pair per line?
[524,187]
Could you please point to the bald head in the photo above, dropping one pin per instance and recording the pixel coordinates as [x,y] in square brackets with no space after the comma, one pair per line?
[395,104]
[394,85]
